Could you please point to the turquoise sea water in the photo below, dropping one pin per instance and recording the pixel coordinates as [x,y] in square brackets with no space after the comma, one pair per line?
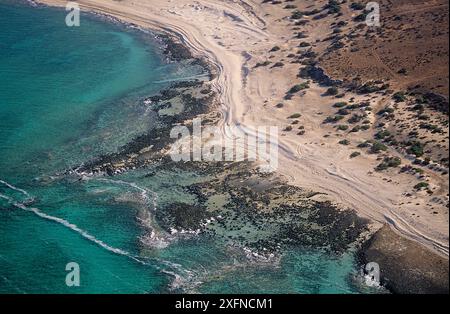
[66,96]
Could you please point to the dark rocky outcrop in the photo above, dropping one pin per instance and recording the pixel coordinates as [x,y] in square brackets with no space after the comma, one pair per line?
[406,267]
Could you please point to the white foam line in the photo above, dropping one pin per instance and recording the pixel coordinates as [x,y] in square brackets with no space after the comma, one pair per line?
[90,237]
[9,199]
[5,197]
[87,235]
[59,220]
[12,187]
[72,227]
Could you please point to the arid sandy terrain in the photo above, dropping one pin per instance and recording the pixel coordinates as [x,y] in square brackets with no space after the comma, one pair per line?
[335,139]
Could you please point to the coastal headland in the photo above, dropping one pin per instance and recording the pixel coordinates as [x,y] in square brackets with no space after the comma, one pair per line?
[348,139]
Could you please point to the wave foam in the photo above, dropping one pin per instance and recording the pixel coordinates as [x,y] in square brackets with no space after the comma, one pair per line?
[181,276]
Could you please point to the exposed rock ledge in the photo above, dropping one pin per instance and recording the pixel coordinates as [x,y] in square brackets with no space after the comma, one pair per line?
[406,267]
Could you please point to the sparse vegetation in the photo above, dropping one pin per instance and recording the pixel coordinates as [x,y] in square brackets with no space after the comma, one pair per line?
[340,104]
[421,186]
[278,65]
[399,97]
[343,112]
[416,148]
[378,147]
[357,6]
[299,87]
[296,15]
[262,64]
[382,134]
[333,7]
[333,119]
[356,118]
[332,91]
[295,116]
[274,49]
[389,162]
[386,110]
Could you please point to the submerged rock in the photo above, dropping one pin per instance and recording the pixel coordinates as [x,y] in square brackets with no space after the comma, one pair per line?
[259,212]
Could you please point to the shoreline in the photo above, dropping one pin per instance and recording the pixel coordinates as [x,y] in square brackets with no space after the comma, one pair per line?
[229,86]
[347,189]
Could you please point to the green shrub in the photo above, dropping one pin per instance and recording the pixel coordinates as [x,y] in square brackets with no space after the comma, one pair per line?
[298,87]
[332,91]
[333,119]
[378,147]
[274,49]
[360,18]
[386,110]
[421,185]
[382,134]
[340,104]
[399,97]
[278,65]
[295,116]
[343,112]
[417,149]
[356,118]
[364,144]
[297,15]
[357,6]
[333,7]
[368,88]
[262,64]
[389,162]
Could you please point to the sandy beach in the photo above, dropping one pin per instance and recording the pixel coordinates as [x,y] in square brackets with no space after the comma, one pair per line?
[234,36]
